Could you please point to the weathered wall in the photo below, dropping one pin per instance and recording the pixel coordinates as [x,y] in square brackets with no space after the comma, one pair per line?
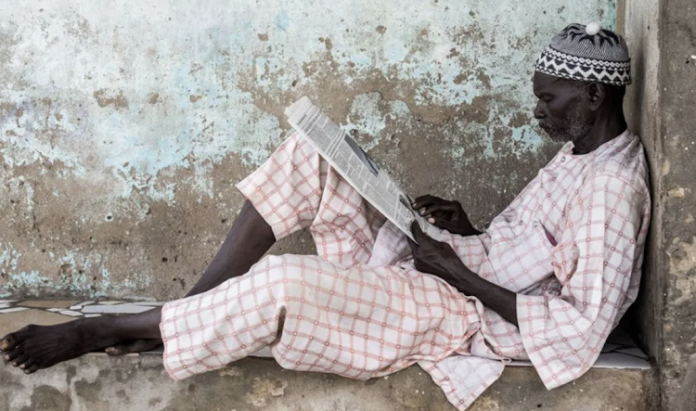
[638,20]
[124,125]
[677,196]
[663,105]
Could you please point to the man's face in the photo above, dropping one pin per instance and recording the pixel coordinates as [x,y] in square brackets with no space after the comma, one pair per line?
[562,109]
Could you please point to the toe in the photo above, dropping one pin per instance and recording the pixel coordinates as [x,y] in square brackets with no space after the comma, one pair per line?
[20,360]
[26,364]
[115,351]
[31,369]
[144,345]
[132,347]
[7,343]
[12,355]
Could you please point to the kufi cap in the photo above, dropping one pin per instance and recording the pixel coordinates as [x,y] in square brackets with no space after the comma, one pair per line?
[587,53]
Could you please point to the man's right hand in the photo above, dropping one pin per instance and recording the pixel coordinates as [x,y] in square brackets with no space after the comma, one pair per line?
[445,214]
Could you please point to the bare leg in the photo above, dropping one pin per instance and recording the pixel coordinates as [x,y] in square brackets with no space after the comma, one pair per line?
[248,240]
[36,347]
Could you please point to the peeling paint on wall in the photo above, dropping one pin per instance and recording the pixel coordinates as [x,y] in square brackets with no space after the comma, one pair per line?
[123,130]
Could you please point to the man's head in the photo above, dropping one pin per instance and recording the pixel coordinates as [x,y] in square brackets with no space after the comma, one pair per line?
[580,76]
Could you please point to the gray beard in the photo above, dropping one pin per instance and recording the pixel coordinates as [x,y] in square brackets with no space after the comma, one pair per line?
[576,128]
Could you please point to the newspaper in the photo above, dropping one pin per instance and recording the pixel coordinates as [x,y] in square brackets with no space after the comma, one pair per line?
[356,167]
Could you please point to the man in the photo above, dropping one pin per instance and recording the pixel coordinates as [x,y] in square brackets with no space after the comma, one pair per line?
[547,282]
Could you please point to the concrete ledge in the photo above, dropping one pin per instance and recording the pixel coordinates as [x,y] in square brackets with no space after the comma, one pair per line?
[102,383]
[97,382]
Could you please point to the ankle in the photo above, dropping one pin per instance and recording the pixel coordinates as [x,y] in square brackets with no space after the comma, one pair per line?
[95,332]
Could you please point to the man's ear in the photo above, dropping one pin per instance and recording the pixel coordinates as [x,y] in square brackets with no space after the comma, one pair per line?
[596,94]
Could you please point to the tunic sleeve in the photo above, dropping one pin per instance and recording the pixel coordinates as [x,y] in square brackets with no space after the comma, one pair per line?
[564,334]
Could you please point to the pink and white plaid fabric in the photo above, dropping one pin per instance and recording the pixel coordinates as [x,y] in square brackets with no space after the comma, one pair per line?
[359,308]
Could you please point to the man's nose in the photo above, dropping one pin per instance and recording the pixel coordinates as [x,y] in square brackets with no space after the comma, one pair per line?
[538,112]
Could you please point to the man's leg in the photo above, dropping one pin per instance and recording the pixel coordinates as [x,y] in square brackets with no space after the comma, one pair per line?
[358,322]
[286,192]
[295,189]
[248,240]
[317,315]
[36,347]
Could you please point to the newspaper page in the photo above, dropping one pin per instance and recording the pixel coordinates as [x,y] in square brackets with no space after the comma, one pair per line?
[356,167]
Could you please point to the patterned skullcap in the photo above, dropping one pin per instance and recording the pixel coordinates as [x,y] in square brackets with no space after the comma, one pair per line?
[587,54]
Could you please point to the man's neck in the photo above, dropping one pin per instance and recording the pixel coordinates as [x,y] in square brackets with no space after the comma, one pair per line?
[607,127]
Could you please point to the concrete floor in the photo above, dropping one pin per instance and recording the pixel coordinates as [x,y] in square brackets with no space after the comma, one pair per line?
[101,383]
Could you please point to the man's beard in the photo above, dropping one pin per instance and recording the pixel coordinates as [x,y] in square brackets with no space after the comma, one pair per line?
[576,127]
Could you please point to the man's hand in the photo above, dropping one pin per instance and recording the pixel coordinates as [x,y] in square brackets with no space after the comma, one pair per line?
[439,259]
[448,215]
[434,257]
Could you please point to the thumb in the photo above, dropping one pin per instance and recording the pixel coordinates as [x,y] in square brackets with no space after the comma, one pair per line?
[412,244]
[416,230]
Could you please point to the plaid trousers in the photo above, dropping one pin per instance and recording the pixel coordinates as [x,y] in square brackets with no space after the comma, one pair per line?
[357,309]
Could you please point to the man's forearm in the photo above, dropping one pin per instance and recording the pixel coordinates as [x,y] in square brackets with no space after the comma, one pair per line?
[495,297]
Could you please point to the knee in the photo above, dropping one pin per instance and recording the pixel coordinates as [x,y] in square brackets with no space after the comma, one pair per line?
[283,273]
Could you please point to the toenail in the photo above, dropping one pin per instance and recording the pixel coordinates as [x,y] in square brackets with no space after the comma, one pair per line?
[14,364]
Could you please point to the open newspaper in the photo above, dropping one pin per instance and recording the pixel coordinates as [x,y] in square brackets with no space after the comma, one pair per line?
[356,167]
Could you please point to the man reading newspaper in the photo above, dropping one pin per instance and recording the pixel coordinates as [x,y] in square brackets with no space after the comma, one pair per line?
[547,282]
[346,157]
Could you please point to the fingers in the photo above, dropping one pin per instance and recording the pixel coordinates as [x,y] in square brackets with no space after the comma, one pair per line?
[442,207]
[443,223]
[424,201]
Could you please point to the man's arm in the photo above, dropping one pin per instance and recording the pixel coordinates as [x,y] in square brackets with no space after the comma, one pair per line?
[597,287]
[493,296]
[439,259]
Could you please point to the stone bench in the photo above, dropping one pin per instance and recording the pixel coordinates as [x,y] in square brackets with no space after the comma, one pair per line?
[622,379]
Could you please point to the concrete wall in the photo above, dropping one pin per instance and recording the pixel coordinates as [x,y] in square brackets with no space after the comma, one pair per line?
[676,255]
[124,125]
[664,101]
[638,20]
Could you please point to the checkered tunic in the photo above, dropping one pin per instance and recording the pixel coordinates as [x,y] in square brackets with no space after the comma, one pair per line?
[570,245]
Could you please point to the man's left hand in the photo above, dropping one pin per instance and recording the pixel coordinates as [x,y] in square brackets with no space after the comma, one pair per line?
[435,257]
[439,259]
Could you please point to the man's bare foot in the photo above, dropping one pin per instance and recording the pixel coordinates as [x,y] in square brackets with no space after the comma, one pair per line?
[131,347]
[36,347]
